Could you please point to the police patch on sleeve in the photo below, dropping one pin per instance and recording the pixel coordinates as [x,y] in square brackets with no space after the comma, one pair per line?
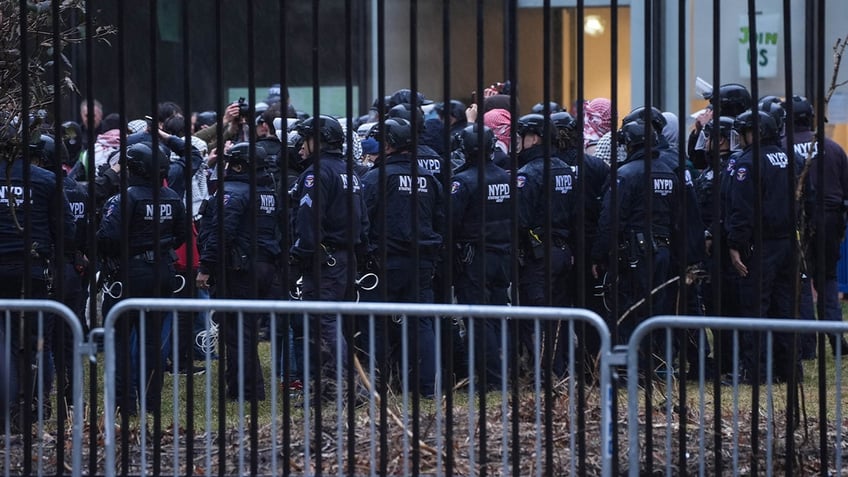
[110,209]
[741,174]
[520,181]
[309,181]
[455,187]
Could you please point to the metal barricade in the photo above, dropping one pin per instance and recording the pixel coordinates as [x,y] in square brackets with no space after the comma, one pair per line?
[33,443]
[394,428]
[769,402]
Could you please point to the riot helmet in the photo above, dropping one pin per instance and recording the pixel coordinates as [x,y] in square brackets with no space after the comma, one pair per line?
[733,99]
[143,162]
[456,110]
[802,111]
[469,141]
[744,123]
[404,111]
[539,108]
[533,123]
[239,153]
[774,107]
[48,151]
[642,114]
[398,133]
[567,133]
[329,131]
[634,135]
[709,131]
[402,96]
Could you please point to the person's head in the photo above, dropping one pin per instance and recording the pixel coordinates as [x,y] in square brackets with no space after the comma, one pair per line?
[72,138]
[539,108]
[205,119]
[533,130]
[405,111]
[144,162]
[476,145]
[453,113]
[398,134]
[500,122]
[774,107]
[402,96]
[732,98]
[370,151]
[567,134]
[597,120]
[46,152]
[166,111]
[642,114]
[716,135]
[802,112]
[265,123]
[238,157]
[634,136]
[111,121]
[98,114]
[175,126]
[745,132]
[324,132]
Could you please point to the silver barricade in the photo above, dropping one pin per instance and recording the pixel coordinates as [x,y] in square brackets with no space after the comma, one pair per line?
[42,436]
[765,389]
[415,442]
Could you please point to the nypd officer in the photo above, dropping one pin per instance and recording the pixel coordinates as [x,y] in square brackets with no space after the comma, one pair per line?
[539,196]
[481,222]
[249,272]
[645,239]
[150,263]
[323,255]
[394,201]
[47,211]
[769,269]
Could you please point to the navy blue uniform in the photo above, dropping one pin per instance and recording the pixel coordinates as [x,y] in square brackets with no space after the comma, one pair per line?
[327,196]
[395,201]
[533,208]
[246,218]
[142,270]
[639,247]
[44,218]
[770,268]
[482,276]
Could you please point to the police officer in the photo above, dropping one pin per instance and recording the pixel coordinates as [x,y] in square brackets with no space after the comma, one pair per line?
[770,268]
[47,212]
[481,214]
[834,187]
[645,239]
[150,269]
[248,272]
[74,264]
[394,201]
[322,194]
[541,195]
[732,100]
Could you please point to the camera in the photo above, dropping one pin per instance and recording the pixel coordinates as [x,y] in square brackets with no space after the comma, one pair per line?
[244,109]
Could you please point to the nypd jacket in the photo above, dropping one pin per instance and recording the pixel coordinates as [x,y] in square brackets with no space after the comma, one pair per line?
[632,200]
[395,201]
[531,197]
[834,184]
[243,218]
[44,218]
[776,194]
[326,194]
[470,199]
[142,214]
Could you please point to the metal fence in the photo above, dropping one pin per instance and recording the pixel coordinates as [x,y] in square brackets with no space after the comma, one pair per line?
[680,423]
[26,326]
[359,419]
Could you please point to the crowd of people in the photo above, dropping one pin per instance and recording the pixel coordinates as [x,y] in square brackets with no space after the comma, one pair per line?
[428,197]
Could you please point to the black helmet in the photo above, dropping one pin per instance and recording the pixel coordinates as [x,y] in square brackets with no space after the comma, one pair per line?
[532,123]
[634,134]
[240,154]
[745,123]
[143,162]
[457,110]
[468,141]
[773,106]
[329,129]
[404,111]
[802,111]
[567,133]
[539,108]
[564,120]
[72,137]
[640,114]
[402,96]
[205,118]
[48,152]
[725,125]
[734,99]
[398,132]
